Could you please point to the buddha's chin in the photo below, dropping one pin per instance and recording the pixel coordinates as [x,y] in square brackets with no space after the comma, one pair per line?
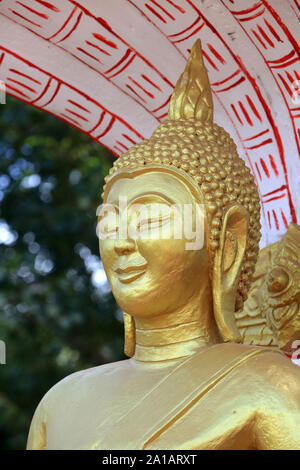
[138,297]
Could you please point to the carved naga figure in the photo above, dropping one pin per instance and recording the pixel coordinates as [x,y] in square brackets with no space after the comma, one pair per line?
[189,382]
[271,314]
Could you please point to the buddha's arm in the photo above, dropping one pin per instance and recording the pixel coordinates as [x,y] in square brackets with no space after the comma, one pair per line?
[277,422]
[37,433]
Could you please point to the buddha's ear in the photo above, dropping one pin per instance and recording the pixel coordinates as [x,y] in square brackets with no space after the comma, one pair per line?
[129,335]
[227,269]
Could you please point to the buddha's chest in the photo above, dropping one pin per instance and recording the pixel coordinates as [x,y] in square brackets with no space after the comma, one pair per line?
[125,417]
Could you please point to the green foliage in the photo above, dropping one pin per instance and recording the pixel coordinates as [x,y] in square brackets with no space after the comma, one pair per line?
[57,315]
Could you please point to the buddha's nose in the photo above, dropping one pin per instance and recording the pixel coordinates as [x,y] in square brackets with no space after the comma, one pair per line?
[124,246]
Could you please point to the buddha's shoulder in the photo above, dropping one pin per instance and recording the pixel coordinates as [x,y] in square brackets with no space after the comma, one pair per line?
[263,368]
[79,382]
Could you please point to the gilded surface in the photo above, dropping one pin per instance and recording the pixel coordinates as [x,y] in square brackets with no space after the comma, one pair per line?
[271,314]
[189,382]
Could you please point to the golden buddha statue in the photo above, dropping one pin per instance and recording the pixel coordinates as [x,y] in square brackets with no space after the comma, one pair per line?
[189,383]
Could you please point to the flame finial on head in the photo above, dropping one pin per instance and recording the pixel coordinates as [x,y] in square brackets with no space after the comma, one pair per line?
[192,97]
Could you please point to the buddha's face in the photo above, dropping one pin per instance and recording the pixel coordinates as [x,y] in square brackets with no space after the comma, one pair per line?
[153,273]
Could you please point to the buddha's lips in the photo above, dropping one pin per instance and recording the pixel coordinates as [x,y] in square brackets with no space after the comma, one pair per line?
[127,277]
[126,268]
[127,273]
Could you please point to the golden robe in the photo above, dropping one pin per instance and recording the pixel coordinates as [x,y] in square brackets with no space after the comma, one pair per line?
[226,396]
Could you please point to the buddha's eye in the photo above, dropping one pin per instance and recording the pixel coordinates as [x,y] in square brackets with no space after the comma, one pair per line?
[151,223]
[278,280]
[108,225]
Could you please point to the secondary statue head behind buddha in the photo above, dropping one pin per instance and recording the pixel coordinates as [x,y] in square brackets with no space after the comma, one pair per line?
[189,160]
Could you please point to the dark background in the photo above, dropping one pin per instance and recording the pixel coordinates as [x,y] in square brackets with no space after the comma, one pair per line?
[57,314]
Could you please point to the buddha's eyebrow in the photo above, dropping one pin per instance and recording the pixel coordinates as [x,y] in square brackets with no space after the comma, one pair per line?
[153,196]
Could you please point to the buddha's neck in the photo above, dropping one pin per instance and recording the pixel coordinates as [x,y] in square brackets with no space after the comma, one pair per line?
[176,335]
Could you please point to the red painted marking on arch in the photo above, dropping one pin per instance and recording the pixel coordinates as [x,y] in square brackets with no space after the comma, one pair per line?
[127,53]
[43,92]
[89,55]
[241,80]
[272,30]
[275,131]
[164,115]
[249,18]
[257,135]
[24,18]
[289,76]
[275,198]
[38,13]
[21,84]
[155,13]
[151,82]
[76,114]
[254,108]
[162,106]
[48,5]
[284,219]
[129,138]
[79,106]
[286,64]
[163,9]
[283,26]
[9,87]
[248,119]
[265,168]
[99,122]
[216,54]
[249,10]
[269,219]
[97,47]
[283,187]
[259,174]
[191,34]
[101,38]
[186,29]
[126,124]
[273,164]
[237,115]
[210,60]
[72,29]
[118,149]
[176,6]
[25,76]
[133,91]
[141,87]
[286,86]
[70,119]
[124,67]
[265,142]
[122,145]
[1,58]
[107,129]
[275,219]
[226,79]
[284,58]
[297,138]
[64,24]
[259,38]
[53,96]
[265,36]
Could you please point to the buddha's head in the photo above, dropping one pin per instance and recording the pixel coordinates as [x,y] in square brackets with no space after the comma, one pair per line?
[189,160]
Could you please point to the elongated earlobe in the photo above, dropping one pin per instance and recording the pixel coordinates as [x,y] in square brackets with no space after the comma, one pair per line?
[129,334]
[227,270]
